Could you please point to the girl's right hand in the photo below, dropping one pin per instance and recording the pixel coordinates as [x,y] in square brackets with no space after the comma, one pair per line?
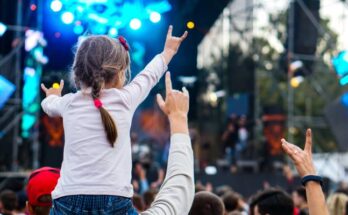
[53,90]
[172,44]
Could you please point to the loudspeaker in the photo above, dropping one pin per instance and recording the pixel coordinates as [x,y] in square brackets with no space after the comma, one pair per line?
[336,114]
[305,31]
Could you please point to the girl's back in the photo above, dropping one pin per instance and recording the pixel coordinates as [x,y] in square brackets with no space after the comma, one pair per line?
[88,157]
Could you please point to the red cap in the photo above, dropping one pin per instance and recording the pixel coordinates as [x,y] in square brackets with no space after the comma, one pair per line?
[42,182]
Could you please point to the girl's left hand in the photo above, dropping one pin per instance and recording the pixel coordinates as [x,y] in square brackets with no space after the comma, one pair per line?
[53,90]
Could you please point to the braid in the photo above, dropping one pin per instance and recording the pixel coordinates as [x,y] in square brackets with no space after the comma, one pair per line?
[97,62]
[108,121]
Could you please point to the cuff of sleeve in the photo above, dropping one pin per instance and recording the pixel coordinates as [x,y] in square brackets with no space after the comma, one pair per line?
[45,100]
[165,64]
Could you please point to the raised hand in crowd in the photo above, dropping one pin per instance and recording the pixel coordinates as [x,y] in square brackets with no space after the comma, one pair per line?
[172,44]
[303,162]
[54,90]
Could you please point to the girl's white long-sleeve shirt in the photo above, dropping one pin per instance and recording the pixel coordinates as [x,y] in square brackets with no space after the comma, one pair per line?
[90,165]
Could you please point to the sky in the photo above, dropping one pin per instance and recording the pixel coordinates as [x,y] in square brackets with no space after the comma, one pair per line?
[335,10]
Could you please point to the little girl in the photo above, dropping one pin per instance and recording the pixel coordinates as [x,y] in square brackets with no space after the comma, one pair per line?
[96,169]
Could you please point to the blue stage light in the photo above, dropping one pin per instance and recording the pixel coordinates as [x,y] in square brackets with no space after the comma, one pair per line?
[344,99]
[56,5]
[3,29]
[113,32]
[155,17]
[78,29]
[6,90]
[340,63]
[67,17]
[135,24]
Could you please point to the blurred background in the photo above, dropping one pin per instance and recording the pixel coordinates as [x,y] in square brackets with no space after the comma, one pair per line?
[257,71]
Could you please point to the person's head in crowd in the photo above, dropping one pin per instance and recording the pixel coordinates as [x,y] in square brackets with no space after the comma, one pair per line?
[300,198]
[138,203]
[41,183]
[206,203]
[222,190]
[337,203]
[22,200]
[8,202]
[272,202]
[199,187]
[230,200]
[149,197]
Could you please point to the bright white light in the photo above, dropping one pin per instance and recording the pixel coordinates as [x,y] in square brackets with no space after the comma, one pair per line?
[113,32]
[155,17]
[56,5]
[67,17]
[135,24]
[210,170]
[2,29]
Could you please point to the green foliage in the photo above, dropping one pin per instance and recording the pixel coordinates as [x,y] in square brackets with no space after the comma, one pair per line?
[312,96]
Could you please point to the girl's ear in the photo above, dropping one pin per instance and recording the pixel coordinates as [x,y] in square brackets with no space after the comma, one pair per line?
[121,78]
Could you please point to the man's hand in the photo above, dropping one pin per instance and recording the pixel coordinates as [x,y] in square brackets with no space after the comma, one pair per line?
[172,44]
[53,90]
[175,106]
[176,103]
[301,158]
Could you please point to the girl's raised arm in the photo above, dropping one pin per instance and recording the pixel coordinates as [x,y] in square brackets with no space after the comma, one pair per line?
[136,91]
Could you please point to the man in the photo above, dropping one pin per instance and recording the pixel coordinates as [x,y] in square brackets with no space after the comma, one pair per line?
[176,194]
[300,200]
[272,201]
[207,203]
[40,185]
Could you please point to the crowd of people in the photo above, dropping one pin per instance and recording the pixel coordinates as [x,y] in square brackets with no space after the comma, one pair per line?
[96,173]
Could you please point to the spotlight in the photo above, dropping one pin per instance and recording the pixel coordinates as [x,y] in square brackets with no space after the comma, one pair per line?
[78,29]
[67,17]
[113,32]
[3,29]
[55,85]
[340,63]
[135,24]
[155,17]
[33,7]
[296,65]
[190,25]
[296,81]
[56,5]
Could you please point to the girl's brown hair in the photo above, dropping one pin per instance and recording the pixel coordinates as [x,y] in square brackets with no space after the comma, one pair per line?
[99,61]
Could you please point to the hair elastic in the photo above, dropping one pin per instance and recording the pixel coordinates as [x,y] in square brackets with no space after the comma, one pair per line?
[97,103]
[123,41]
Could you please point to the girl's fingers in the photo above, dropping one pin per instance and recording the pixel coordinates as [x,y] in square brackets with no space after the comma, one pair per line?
[61,85]
[43,87]
[170,31]
[184,36]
